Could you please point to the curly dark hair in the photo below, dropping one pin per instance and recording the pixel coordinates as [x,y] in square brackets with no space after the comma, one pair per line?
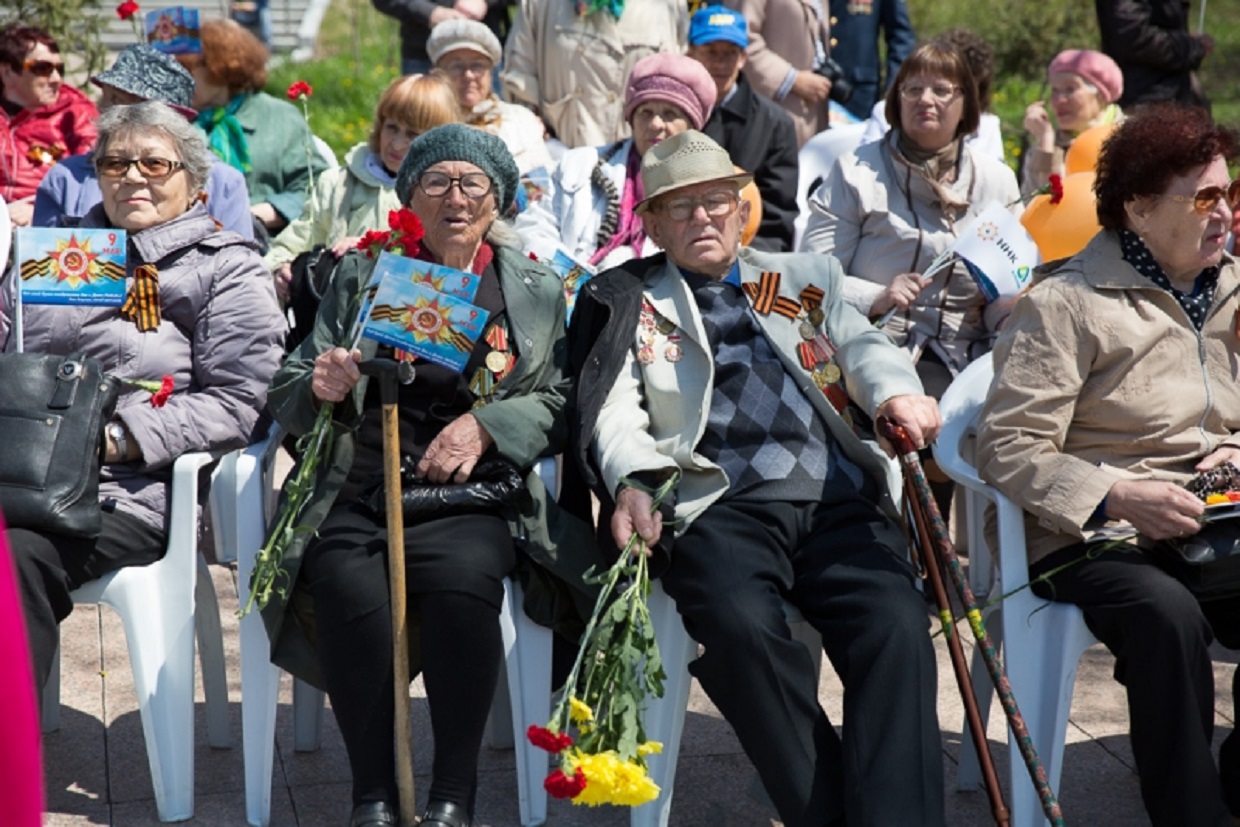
[16,41]
[978,55]
[1157,143]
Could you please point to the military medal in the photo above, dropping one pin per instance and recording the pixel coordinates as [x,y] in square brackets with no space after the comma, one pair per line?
[496,361]
[665,326]
[827,374]
[645,354]
[806,330]
[673,352]
[817,317]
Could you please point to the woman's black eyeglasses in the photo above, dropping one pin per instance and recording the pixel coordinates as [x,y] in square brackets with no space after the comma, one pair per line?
[152,167]
[473,184]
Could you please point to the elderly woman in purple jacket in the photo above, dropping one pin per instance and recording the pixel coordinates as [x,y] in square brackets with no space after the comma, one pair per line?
[217,333]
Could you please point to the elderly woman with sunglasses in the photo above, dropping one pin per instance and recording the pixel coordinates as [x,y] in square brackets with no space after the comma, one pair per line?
[42,119]
[1116,381]
[506,405]
[201,310]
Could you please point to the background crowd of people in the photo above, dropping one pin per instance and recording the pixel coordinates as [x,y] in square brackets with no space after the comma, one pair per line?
[657,149]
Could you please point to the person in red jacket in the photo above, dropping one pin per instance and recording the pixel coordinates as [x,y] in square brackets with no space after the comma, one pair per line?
[42,119]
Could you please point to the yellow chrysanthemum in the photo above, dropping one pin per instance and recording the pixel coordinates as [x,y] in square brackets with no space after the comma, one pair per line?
[650,748]
[579,711]
[612,781]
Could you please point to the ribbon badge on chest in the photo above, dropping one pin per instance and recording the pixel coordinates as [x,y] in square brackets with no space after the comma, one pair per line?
[656,336]
[816,351]
[497,365]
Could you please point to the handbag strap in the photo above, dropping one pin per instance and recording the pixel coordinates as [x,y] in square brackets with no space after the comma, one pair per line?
[68,378]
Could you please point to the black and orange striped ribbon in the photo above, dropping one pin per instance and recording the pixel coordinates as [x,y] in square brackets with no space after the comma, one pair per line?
[764,293]
[811,297]
[142,306]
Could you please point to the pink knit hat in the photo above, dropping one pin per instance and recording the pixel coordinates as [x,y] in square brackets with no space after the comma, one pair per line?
[1095,68]
[673,78]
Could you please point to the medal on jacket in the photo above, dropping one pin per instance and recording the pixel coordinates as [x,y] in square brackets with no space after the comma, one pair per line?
[673,352]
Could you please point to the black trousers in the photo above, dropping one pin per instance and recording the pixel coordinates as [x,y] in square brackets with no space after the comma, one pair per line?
[454,574]
[50,566]
[1160,636]
[843,565]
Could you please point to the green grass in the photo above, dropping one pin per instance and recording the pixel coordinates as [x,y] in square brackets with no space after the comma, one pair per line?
[358,54]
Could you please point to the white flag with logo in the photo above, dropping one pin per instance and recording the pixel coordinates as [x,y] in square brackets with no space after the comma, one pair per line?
[999,253]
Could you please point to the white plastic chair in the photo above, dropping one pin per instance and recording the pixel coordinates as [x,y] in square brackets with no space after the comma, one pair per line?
[161,605]
[814,163]
[1042,641]
[665,717]
[245,504]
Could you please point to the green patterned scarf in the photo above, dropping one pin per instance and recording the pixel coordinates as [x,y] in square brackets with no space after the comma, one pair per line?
[224,133]
[614,7]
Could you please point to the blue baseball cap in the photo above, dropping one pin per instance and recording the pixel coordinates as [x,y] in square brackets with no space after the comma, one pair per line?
[714,23]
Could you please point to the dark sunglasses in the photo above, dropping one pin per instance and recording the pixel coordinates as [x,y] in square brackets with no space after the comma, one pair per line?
[1206,198]
[43,68]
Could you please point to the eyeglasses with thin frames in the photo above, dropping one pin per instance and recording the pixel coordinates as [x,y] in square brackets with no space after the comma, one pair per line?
[1205,199]
[473,185]
[456,70]
[151,167]
[940,92]
[716,205]
[43,68]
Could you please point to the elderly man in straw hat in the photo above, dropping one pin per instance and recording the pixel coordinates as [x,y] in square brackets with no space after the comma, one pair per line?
[738,374]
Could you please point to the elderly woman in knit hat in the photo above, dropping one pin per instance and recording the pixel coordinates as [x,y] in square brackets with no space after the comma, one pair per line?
[503,410]
[467,52]
[1085,86]
[588,209]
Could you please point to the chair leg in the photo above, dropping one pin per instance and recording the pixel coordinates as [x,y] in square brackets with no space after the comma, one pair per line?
[527,661]
[665,717]
[260,685]
[307,717]
[51,696]
[211,653]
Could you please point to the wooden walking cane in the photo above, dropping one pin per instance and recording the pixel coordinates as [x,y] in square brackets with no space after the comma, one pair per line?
[973,716]
[915,481]
[389,372]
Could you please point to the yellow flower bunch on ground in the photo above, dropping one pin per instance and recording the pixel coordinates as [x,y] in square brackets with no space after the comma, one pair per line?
[616,667]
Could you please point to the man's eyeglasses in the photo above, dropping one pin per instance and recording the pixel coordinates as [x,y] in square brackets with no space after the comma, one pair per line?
[716,205]
[940,92]
[1206,198]
[152,167]
[43,68]
[472,184]
[456,70]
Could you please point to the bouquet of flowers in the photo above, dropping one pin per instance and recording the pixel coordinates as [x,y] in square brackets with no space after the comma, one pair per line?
[403,238]
[602,700]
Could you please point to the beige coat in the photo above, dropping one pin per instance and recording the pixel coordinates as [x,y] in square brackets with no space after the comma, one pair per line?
[880,221]
[573,70]
[1100,377]
[654,415]
[782,36]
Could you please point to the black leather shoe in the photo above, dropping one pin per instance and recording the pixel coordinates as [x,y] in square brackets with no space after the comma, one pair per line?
[445,814]
[374,814]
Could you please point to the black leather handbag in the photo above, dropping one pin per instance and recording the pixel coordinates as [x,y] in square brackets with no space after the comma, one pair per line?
[1207,562]
[52,413]
[494,483]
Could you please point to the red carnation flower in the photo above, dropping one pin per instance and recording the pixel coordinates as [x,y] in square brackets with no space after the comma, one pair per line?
[127,9]
[559,785]
[544,738]
[299,89]
[405,222]
[373,242]
[165,390]
[1056,185]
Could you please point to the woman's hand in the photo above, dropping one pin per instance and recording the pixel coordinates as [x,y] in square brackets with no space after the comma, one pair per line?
[1038,125]
[451,456]
[267,214]
[1217,457]
[21,211]
[283,277]
[335,374]
[1158,509]
[811,87]
[344,245]
[901,293]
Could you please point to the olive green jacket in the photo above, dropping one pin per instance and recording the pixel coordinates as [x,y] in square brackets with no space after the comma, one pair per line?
[525,418]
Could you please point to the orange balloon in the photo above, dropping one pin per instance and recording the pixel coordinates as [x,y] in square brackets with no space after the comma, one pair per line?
[1083,152]
[750,193]
[1063,229]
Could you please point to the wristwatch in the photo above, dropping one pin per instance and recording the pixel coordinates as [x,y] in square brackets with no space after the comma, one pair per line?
[116,432]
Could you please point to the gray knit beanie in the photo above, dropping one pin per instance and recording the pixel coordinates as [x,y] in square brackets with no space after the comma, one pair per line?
[458,142]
